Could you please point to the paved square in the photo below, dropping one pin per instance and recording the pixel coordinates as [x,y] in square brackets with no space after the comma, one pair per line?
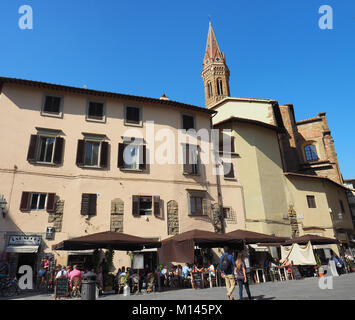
[306,289]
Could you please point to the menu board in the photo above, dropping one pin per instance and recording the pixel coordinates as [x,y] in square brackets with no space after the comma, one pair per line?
[62,287]
[296,273]
[197,276]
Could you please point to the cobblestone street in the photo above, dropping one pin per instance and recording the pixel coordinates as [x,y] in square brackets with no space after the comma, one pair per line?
[307,289]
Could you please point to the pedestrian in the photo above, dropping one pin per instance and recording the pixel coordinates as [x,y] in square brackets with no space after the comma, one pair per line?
[227,264]
[100,281]
[242,278]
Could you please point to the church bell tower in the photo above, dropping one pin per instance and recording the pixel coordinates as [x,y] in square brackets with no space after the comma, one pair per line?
[215,73]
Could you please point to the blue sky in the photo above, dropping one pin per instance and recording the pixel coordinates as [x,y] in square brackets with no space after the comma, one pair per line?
[274,49]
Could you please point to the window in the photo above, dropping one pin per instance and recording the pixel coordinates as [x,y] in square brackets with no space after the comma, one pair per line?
[146,205]
[198,203]
[88,204]
[45,149]
[227,213]
[311,202]
[132,156]
[92,153]
[95,111]
[311,152]
[38,201]
[219,87]
[188,122]
[191,159]
[228,170]
[52,105]
[229,143]
[133,116]
[342,210]
[209,89]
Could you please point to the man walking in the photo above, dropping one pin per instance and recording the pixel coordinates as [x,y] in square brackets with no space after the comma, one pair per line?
[227,265]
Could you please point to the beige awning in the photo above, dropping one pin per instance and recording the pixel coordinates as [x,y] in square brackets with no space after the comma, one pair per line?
[80,252]
[22,249]
[259,248]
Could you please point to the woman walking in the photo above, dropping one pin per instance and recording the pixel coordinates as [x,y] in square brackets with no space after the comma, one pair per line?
[240,271]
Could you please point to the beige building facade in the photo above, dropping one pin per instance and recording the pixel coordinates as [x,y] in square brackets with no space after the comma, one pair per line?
[64,167]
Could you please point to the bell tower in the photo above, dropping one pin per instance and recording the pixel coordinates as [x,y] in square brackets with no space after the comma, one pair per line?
[215,73]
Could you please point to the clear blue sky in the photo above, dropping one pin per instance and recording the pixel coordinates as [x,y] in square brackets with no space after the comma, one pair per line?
[274,49]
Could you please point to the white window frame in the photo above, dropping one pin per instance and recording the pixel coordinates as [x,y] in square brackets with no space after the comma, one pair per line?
[38,148]
[138,147]
[87,118]
[50,114]
[140,123]
[45,203]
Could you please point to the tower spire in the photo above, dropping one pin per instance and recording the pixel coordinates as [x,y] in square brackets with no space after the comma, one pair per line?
[215,72]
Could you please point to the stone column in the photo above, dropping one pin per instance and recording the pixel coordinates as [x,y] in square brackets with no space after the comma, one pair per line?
[117,210]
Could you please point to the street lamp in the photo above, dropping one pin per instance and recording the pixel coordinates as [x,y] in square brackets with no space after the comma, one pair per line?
[3,204]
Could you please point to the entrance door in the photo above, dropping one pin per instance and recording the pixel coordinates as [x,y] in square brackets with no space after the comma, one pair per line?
[28,259]
[150,261]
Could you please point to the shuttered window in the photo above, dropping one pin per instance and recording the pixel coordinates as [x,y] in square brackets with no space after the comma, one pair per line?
[45,149]
[198,203]
[88,204]
[38,201]
[92,154]
[95,111]
[311,201]
[132,156]
[146,205]
[191,159]
[133,115]
[52,105]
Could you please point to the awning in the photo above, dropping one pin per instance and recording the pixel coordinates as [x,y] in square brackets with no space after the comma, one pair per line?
[322,246]
[259,248]
[255,237]
[181,247]
[22,249]
[81,252]
[106,240]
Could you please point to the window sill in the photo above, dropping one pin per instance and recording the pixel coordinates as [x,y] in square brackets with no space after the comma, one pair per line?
[191,174]
[131,170]
[96,120]
[234,154]
[129,124]
[54,115]
[49,164]
[230,179]
[91,167]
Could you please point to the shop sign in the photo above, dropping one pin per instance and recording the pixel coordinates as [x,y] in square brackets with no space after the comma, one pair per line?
[25,240]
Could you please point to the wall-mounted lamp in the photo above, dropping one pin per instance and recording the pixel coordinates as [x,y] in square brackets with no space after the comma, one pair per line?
[3,204]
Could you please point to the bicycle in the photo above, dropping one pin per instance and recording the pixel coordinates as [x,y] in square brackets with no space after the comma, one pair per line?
[9,287]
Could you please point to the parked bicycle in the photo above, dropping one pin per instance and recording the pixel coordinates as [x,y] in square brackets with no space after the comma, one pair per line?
[9,286]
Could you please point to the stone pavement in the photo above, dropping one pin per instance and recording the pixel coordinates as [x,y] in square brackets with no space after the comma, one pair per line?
[307,289]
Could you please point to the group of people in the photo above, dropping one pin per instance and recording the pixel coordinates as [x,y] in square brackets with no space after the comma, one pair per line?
[75,276]
[232,270]
[184,275]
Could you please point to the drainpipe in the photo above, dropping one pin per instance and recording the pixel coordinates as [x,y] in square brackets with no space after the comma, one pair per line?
[219,191]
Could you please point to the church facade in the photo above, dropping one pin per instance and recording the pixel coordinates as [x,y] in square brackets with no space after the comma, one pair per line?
[289,172]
